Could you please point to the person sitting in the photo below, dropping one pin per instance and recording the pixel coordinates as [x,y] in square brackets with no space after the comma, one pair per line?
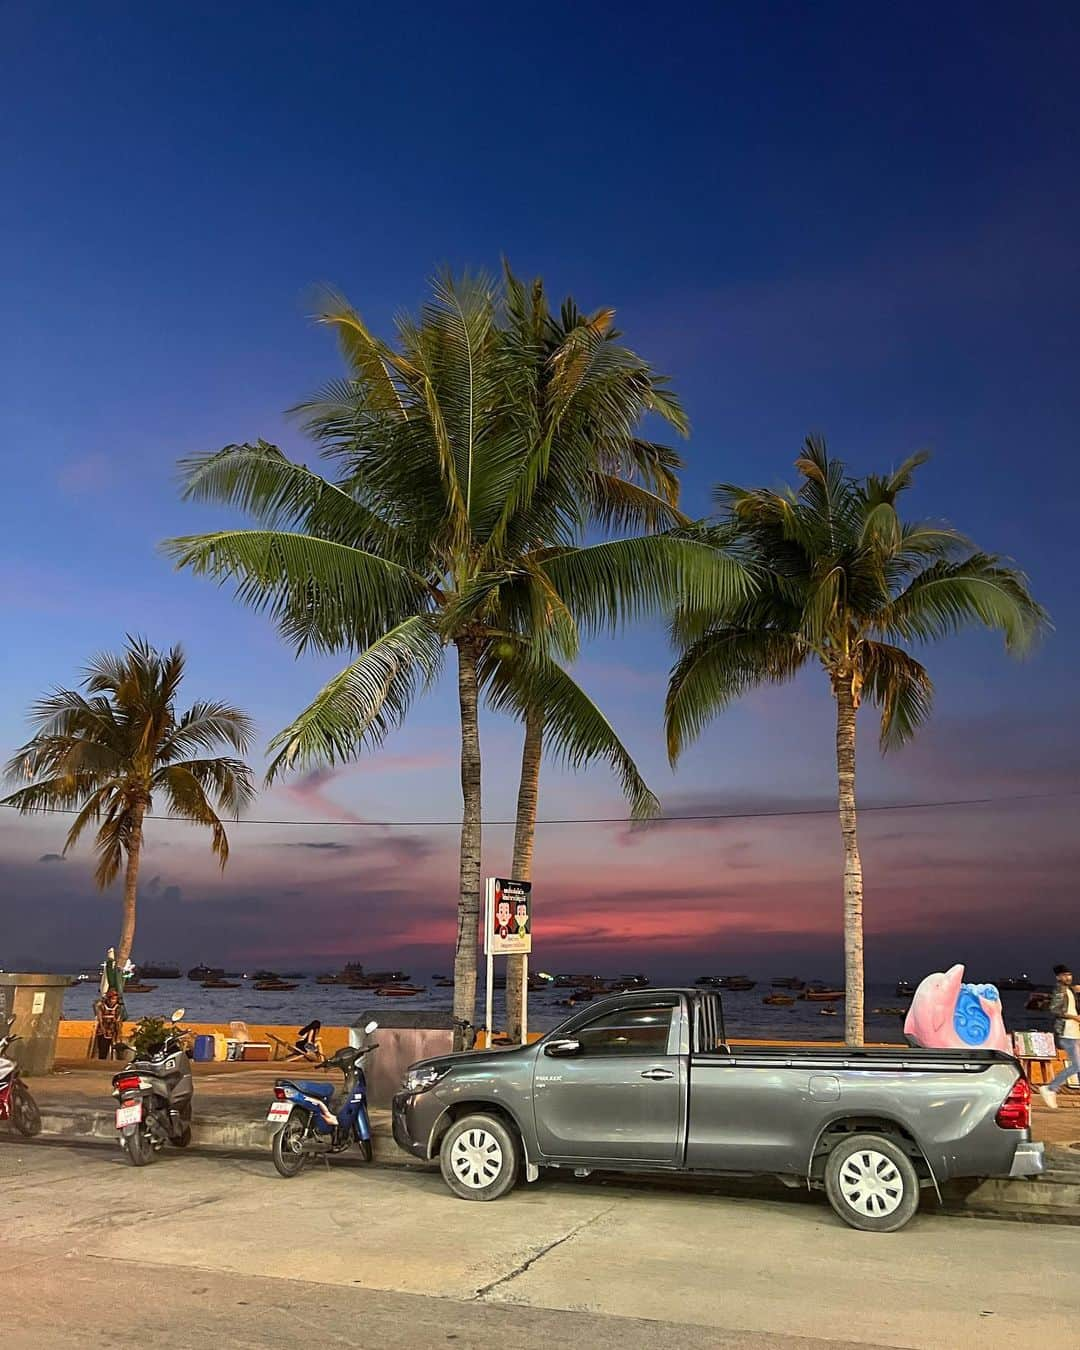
[307,1044]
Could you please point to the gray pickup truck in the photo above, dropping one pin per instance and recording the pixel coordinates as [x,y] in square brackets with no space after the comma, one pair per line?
[647,1082]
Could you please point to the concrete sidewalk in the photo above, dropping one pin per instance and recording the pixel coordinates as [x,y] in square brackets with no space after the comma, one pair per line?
[231,1102]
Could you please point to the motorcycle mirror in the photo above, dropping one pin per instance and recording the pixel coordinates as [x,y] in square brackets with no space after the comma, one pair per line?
[178,1015]
[371,1026]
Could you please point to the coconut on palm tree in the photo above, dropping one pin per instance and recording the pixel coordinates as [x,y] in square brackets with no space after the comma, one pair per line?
[844,583]
[454,521]
[108,752]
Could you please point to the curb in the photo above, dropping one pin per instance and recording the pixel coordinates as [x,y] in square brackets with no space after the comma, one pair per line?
[209,1132]
[1053,1197]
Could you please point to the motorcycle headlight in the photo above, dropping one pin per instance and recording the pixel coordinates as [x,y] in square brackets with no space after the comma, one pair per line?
[419,1080]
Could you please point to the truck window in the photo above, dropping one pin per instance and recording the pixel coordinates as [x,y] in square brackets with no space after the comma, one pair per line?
[627,1031]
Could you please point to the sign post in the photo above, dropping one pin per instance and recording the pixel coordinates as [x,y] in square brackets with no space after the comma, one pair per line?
[507,932]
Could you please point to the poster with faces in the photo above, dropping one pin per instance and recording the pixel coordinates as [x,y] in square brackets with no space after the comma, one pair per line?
[508,917]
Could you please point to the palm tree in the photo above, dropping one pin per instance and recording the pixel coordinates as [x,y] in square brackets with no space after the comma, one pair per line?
[627,483]
[107,752]
[450,523]
[844,582]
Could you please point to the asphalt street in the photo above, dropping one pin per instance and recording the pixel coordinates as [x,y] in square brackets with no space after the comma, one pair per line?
[202,1245]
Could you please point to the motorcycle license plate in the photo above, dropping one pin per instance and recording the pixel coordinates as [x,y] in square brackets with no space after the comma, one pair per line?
[279,1113]
[128,1115]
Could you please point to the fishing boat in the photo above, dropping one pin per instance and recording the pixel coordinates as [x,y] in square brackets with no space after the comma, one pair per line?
[788,982]
[818,993]
[736,983]
[221,984]
[273,986]
[201,973]
[827,1011]
[399,991]
[137,987]
[779,1000]
[159,972]
[625,984]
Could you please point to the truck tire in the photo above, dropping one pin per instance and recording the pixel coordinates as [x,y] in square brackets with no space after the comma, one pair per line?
[871,1183]
[479,1158]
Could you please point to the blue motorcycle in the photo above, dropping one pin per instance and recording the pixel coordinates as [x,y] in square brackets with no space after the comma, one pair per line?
[310,1121]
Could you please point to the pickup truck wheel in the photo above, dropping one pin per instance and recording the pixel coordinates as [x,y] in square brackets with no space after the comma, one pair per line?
[479,1158]
[871,1183]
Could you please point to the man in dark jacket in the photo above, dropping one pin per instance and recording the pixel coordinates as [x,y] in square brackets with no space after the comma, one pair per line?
[1063,1009]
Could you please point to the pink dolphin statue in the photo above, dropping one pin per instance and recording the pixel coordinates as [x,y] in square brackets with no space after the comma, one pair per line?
[946,1014]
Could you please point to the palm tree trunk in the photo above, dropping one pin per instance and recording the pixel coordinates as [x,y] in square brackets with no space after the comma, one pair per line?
[524,839]
[131,881]
[853,878]
[469,871]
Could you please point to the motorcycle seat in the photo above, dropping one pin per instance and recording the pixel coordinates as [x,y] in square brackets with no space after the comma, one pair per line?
[323,1090]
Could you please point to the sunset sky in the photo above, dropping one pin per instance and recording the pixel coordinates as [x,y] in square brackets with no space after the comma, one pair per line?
[843,219]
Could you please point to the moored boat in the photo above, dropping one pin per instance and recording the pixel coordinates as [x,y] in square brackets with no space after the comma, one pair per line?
[788,982]
[200,973]
[159,972]
[819,994]
[904,989]
[827,1011]
[736,983]
[779,1000]
[221,984]
[273,986]
[398,991]
[137,987]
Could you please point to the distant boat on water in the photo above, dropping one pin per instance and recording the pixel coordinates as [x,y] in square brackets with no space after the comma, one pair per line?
[137,987]
[399,991]
[788,982]
[816,993]
[200,973]
[904,989]
[158,972]
[273,986]
[779,1000]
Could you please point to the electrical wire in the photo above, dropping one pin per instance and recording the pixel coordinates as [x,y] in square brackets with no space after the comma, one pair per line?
[623,820]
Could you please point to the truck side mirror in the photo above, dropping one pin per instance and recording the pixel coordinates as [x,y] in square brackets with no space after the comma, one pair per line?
[562,1049]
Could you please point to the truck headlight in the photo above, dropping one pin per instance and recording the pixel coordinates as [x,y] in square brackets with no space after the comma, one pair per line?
[419,1080]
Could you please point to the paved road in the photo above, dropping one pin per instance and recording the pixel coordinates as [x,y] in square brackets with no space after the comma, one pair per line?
[220,1246]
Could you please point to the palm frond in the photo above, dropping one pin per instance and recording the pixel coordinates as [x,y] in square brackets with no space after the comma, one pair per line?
[979,590]
[362,704]
[576,732]
[320,593]
[719,667]
[608,584]
[900,686]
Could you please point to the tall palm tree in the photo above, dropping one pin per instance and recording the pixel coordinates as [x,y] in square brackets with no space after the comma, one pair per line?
[626,482]
[108,751]
[843,582]
[449,524]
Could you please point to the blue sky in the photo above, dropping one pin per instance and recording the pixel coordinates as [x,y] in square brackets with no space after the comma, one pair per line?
[847,219]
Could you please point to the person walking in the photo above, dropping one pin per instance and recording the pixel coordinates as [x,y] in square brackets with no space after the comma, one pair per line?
[1063,1009]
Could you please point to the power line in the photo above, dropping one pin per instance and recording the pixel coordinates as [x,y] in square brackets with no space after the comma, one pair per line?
[624,820]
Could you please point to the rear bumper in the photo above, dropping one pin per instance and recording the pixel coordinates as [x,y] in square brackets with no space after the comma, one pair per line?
[1028,1160]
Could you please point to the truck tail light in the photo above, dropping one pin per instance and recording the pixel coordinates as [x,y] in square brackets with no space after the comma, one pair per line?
[1015,1111]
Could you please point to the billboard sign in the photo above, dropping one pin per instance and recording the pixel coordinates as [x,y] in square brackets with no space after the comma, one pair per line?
[508,917]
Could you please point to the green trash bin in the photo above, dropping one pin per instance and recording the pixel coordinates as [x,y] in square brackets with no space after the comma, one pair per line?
[37,1003]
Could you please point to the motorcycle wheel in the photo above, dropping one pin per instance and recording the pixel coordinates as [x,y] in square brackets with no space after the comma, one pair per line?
[367,1151]
[137,1146]
[25,1115]
[288,1159]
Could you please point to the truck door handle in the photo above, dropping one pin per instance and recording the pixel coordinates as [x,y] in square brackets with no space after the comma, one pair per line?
[657,1074]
